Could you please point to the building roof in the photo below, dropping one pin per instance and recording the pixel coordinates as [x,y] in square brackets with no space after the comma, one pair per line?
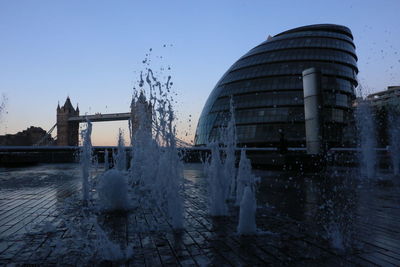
[383,97]
[322,27]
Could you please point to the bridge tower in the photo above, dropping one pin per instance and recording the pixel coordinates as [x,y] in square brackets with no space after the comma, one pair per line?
[67,132]
[141,115]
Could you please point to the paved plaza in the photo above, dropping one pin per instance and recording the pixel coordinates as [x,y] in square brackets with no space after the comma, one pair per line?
[329,219]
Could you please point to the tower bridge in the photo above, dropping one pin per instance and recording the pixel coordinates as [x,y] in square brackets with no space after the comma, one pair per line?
[68,120]
[102,117]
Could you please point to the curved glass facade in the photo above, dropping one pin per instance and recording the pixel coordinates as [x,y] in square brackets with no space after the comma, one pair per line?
[267,89]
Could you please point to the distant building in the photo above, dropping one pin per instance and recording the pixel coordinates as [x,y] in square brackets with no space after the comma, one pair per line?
[387,97]
[266,84]
[28,137]
[384,103]
[67,131]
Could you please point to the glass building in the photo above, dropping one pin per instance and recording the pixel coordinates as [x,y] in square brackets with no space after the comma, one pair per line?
[267,89]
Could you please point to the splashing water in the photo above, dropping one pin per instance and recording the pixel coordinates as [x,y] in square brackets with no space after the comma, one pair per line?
[145,148]
[230,143]
[246,196]
[120,159]
[154,180]
[247,215]
[156,167]
[171,179]
[335,236]
[113,191]
[221,171]
[365,123]
[106,160]
[3,103]
[217,184]
[86,159]
[394,137]
[244,177]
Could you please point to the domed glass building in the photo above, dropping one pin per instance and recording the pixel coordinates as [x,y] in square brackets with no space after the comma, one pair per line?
[267,89]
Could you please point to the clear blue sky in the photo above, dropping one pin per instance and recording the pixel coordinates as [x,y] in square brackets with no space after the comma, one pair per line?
[92,50]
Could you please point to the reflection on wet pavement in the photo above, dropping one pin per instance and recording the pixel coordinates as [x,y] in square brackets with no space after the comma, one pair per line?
[331,218]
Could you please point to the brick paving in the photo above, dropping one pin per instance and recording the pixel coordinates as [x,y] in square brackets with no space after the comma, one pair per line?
[293,213]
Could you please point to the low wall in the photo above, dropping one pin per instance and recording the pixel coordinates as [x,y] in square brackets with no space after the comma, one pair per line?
[293,158]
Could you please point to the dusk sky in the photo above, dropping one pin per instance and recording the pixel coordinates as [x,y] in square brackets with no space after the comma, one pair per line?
[92,51]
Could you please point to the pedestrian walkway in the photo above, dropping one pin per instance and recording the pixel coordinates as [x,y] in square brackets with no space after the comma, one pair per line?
[302,220]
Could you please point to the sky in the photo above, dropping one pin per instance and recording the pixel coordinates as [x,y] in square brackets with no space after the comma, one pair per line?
[92,51]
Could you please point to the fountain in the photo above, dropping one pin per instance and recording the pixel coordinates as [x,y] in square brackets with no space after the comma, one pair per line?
[244,177]
[218,186]
[246,194]
[230,149]
[247,215]
[112,190]
[152,189]
[120,159]
[221,171]
[86,160]
[145,152]
[155,166]
[3,104]
[155,176]
[106,160]
[366,126]
[394,137]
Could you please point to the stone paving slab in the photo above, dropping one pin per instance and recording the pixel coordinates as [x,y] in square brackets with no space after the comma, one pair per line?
[291,228]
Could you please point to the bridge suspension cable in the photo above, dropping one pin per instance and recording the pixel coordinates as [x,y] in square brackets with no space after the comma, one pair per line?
[45,137]
[179,142]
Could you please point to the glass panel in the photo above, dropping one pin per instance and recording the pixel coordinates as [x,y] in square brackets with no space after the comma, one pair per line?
[296,54]
[317,42]
[289,68]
